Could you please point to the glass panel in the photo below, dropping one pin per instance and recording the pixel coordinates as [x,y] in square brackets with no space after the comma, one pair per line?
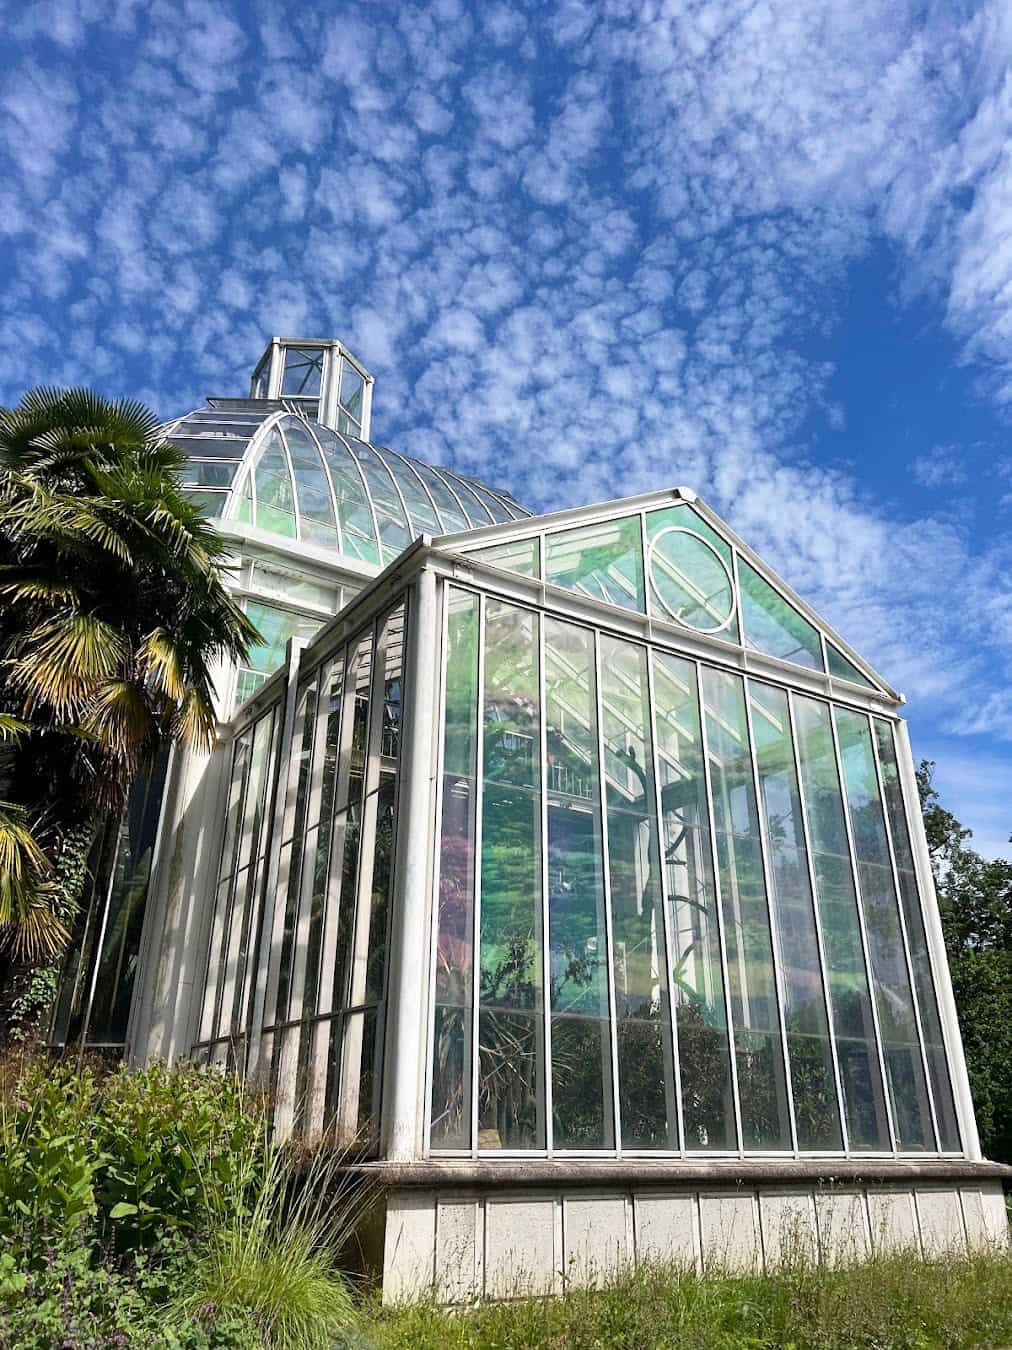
[303,371]
[349,814]
[316,509]
[422,518]
[358,532]
[246,684]
[510,1043]
[244,509]
[211,447]
[452,1042]
[496,509]
[299,771]
[209,502]
[920,960]
[758,1050]
[690,573]
[582,1097]
[816,1109]
[352,390]
[346,425]
[285,583]
[275,508]
[645,1067]
[772,625]
[520,555]
[704,1055]
[853,1026]
[477,513]
[844,669]
[390,517]
[604,561]
[890,978]
[209,473]
[276,626]
[453,518]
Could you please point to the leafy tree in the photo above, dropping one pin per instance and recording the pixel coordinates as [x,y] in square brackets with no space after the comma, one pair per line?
[975,901]
[112,612]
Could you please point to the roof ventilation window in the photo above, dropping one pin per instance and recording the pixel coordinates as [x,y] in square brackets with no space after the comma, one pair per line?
[318,378]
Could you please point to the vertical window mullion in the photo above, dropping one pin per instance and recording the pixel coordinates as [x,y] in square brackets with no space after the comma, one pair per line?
[903,932]
[243,826]
[823,969]
[776,950]
[873,1000]
[606,879]
[666,902]
[479,807]
[436,825]
[718,889]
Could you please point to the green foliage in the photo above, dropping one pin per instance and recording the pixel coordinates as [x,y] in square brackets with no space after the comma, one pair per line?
[887,1304]
[975,902]
[152,1208]
[274,1249]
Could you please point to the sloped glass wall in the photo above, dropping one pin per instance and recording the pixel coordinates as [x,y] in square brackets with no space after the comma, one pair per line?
[677,910]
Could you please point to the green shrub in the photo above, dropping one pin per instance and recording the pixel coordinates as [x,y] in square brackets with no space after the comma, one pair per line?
[119,1159]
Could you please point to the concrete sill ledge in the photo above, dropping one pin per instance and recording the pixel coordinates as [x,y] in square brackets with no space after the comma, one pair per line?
[674,1172]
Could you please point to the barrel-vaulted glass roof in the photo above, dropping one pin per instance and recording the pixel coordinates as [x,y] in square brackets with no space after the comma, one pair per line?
[257,461]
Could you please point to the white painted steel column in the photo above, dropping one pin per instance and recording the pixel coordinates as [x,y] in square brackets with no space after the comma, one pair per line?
[407,1020]
[936,946]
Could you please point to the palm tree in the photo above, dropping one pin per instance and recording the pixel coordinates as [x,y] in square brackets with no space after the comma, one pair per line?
[112,613]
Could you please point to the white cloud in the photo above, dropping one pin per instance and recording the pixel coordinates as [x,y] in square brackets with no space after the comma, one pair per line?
[943,466]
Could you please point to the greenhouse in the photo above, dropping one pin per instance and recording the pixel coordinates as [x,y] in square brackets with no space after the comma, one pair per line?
[566,870]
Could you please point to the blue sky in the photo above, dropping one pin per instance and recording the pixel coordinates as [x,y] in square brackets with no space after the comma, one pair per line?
[760,247]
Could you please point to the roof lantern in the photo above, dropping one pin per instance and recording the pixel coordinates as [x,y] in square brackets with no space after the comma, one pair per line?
[320,378]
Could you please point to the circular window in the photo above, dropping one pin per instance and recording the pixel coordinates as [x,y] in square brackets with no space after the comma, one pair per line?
[690,580]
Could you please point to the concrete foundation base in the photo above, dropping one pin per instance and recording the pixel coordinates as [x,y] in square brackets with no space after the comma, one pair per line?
[505,1242]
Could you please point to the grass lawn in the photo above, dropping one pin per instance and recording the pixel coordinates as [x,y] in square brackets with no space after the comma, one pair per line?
[894,1302]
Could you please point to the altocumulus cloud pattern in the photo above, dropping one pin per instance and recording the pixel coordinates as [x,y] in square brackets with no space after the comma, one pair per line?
[586,249]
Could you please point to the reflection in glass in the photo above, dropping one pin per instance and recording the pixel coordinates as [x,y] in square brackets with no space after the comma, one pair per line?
[704,1056]
[511,1062]
[645,1068]
[519,555]
[303,371]
[890,977]
[917,942]
[774,626]
[844,669]
[604,561]
[758,1051]
[690,572]
[312,486]
[846,973]
[816,1109]
[578,946]
[357,528]
[452,1044]
[275,506]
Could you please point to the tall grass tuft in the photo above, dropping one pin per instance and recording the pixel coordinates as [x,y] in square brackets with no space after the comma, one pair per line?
[274,1248]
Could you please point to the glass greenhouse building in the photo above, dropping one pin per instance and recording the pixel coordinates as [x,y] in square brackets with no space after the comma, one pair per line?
[569,869]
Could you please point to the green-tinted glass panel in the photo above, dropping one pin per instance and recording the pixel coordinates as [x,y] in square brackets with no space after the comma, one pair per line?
[422,518]
[809,1053]
[452,1039]
[390,517]
[577,942]
[645,1067]
[604,561]
[244,510]
[275,506]
[510,1024]
[352,391]
[704,1056]
[520,555]
[844,669]
[358,531]
[748,944]
[853,1024]
[774,626]
[890,978]
[276,626]
[690,573]
[452,517]
[917,942]
[312,487]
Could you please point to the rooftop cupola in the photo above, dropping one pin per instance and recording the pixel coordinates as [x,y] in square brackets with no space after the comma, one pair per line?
[320,378]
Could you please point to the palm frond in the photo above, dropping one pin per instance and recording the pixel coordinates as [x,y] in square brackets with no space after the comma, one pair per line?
[67,658]
[194,723]
[27,918]
[159,659]
[119,717]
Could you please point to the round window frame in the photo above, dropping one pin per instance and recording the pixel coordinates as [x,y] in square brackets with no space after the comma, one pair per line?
[655,591]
